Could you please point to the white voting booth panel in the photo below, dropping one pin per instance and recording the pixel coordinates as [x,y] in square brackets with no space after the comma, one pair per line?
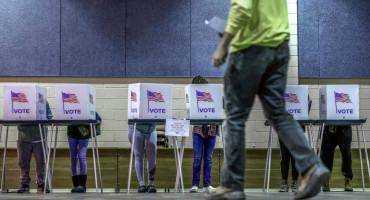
[339,102]
[24,102]
[149,101]
[204,101]
[296,101]
[75,102]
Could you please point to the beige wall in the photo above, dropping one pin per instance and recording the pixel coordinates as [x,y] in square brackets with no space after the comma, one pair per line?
[112,93]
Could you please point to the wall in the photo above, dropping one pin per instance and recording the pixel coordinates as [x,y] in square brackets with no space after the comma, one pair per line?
[112,99]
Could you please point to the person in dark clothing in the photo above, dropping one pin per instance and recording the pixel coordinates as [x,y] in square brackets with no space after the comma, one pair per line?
[286,159]
[338,136]
[78,139]
[29,142]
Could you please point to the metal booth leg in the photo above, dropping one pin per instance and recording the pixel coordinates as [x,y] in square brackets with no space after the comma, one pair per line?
[269,170]
[131,157]
[45,152]
[321,136]
[312,138]
[179,164]
[359,150]
[48,159]
[267,160]
[3,190]
[54,152]
[98,158]
[365,145]
[182,148]
[174,141]
[93,150]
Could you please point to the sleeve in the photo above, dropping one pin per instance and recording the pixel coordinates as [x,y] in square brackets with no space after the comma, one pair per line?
[49,114]
[240,12]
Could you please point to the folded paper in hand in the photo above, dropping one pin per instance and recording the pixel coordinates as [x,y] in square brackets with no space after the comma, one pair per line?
[217,24]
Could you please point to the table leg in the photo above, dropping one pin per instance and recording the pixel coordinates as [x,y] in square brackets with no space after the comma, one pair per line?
[54,152]
[179,165]
[93,150]
[365,145]
[321,136]
[174,141]
[312,138]
[269,170]
[359,150]
[48,158]
[4,162]
[98,158]
[131,157]
[267,160]
[44,151]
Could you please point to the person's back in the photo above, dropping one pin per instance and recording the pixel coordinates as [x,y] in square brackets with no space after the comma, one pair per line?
[260,23]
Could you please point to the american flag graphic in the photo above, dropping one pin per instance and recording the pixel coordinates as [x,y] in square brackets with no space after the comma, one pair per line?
[19,97]
[204,96]
[133,96]
[41,98]
[342,97]
[69,98]
[291,98]
[154,96]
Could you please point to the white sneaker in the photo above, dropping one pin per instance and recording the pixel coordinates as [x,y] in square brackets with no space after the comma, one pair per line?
[208,189]
[194,189]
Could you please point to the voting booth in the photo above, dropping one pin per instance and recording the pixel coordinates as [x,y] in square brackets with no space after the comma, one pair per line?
[204,101]
[24,102]
[296,101]
[75,102]
[149,101]
[339,102]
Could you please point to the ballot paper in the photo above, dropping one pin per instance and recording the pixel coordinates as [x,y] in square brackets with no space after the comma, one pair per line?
[217,24]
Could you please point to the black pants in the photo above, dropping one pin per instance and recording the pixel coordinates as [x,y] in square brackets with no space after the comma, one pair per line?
[286,159]
[341,136]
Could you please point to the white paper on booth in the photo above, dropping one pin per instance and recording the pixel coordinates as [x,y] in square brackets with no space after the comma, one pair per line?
[217,24]
[177,127]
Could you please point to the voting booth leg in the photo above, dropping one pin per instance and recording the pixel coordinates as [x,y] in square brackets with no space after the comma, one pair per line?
[54,152]
[179,166]
[98,159]
[183,139]
[312,138]
[3,190]
[269,170]
[321,137]
[359,150]
[131,156]
[48,160]
[176,159]
[44,151]
[93,150]
[365,145]
[267,158]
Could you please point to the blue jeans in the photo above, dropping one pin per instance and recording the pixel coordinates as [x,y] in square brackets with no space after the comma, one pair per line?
[202,147]
[259,71]
[78,155]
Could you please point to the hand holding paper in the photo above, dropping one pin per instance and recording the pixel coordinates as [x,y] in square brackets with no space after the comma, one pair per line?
[217,24]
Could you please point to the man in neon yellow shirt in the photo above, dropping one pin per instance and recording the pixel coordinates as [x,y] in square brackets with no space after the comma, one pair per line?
[258,34]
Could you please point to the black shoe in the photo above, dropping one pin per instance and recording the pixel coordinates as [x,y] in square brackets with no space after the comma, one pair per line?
[151,189]
[142,189]
[75,183]
[40,189]
[284,186]
[81,184]
[24,189]
[312,181]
